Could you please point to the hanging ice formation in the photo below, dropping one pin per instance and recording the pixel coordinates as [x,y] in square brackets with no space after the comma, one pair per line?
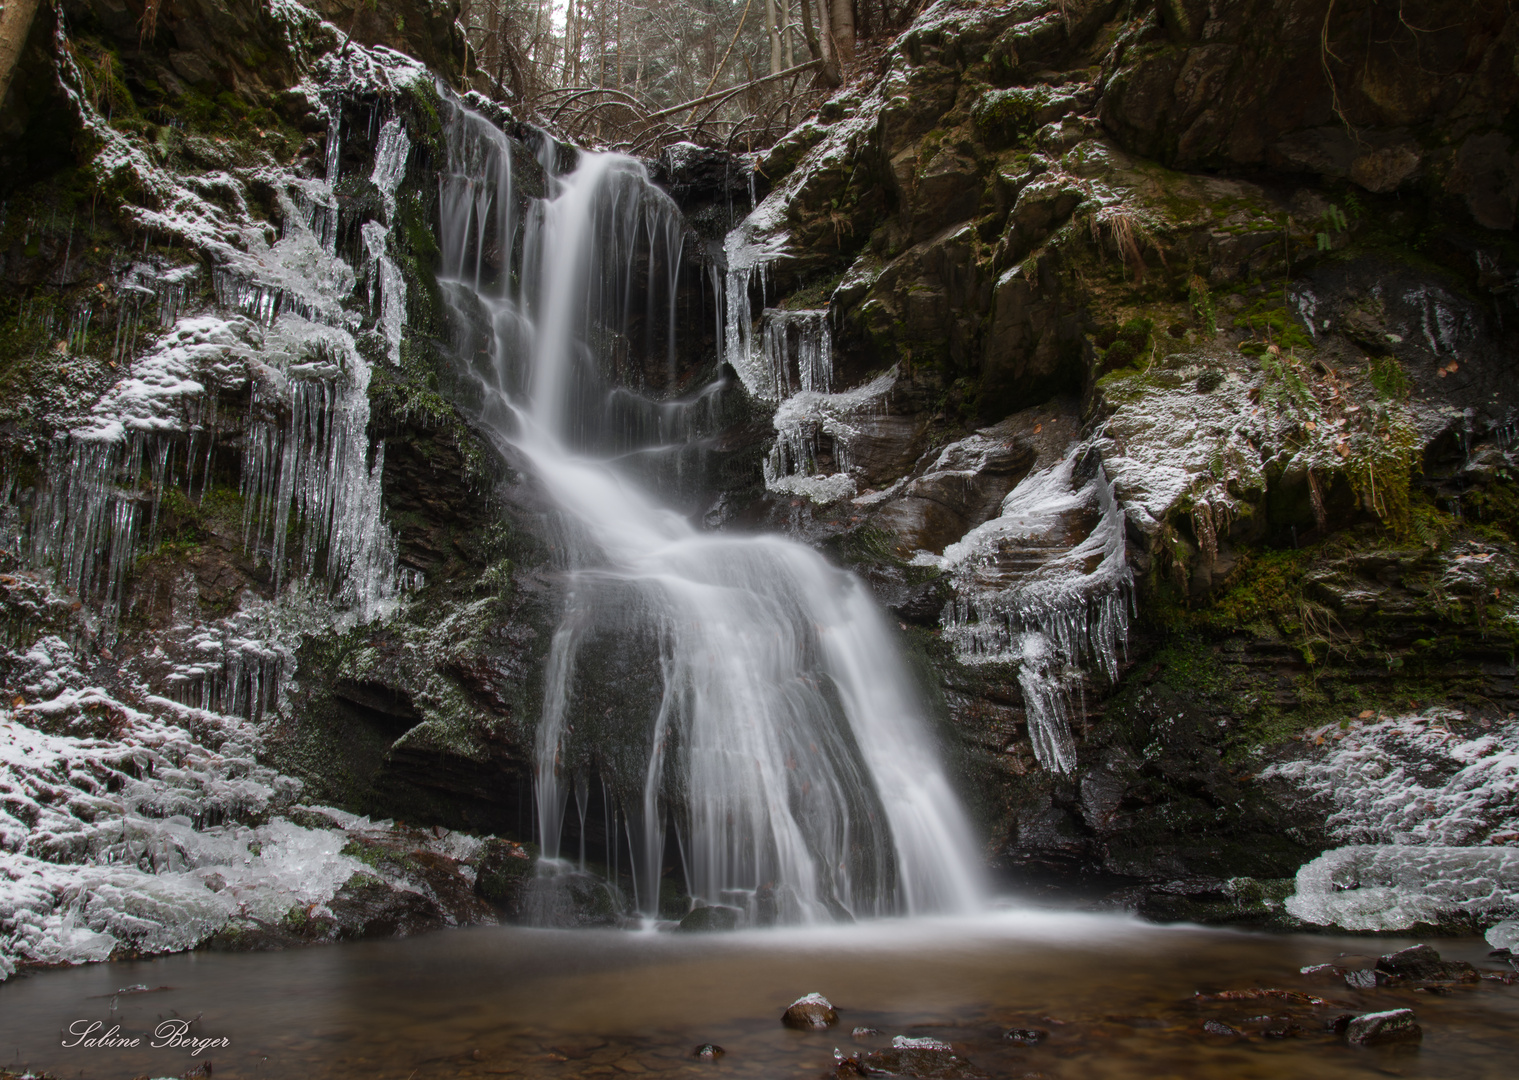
[280,333]
[778,746]
[1047,586]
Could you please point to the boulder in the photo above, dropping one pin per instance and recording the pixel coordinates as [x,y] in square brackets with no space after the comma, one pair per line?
[810,1013]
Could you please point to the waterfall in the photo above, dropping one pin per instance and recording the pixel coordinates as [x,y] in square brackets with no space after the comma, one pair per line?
[779,746]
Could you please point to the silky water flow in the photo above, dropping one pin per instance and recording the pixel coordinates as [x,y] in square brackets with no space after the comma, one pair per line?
[780,737]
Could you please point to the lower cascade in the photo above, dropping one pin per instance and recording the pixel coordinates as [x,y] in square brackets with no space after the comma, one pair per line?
[780,752]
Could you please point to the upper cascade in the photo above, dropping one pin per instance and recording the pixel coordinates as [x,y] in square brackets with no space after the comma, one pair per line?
[780,746]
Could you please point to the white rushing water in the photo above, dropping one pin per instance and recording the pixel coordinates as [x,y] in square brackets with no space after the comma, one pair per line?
[780,738]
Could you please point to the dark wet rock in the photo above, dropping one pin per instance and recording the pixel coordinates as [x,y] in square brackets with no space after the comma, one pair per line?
[1278,1027]
[708,1052]
[713,917]
[1373,1029]
[928,1058]
[697,175]
[864,1033]
[1025,1036]
[1423,964]
[1218,1027]
[962,488]
[810,1013]
[366,907]
[570,898]
[501,877]
[1242,900]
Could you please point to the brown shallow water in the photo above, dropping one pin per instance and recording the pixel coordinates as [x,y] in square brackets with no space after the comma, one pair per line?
[1116,996]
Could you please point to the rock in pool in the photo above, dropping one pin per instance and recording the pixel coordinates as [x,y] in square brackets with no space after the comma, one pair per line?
[1375,1029]
[926,1058]
[1422,964]
[1025,1036]
[708,1052]
[813,1012]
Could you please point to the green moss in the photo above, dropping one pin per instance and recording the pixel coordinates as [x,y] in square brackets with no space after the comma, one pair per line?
[1495,506]
[1267,588]
[1005,116]
[1389,380]
[1204,312]
[1120,354]
[1269,320]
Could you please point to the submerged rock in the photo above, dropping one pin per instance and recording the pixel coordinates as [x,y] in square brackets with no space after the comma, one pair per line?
[708,1052]
[927,1058]
[813,1012]
[1025,1036]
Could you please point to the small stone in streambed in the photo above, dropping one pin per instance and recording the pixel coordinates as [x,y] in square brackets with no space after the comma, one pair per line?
[1025,1036]
[812,1012]
[1218,1027]
[708,1052]
[1378,1028]
[864,1032]
[1366,980]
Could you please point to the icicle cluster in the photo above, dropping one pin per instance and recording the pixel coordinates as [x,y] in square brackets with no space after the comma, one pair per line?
[1064,609]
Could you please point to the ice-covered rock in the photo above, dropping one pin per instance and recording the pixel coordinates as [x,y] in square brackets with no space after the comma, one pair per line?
[1396,886]
[1427,816]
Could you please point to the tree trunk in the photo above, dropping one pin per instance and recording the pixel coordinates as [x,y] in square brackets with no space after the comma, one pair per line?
[842,24]
[809,35]
[773,33]
[828,74]
[789,34]
[15,26]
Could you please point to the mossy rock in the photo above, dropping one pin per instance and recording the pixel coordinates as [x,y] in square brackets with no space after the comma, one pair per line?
[1005,117]
[710,918]
[504,870]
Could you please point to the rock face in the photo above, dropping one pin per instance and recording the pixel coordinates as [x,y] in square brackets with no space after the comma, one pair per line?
[1326,88]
